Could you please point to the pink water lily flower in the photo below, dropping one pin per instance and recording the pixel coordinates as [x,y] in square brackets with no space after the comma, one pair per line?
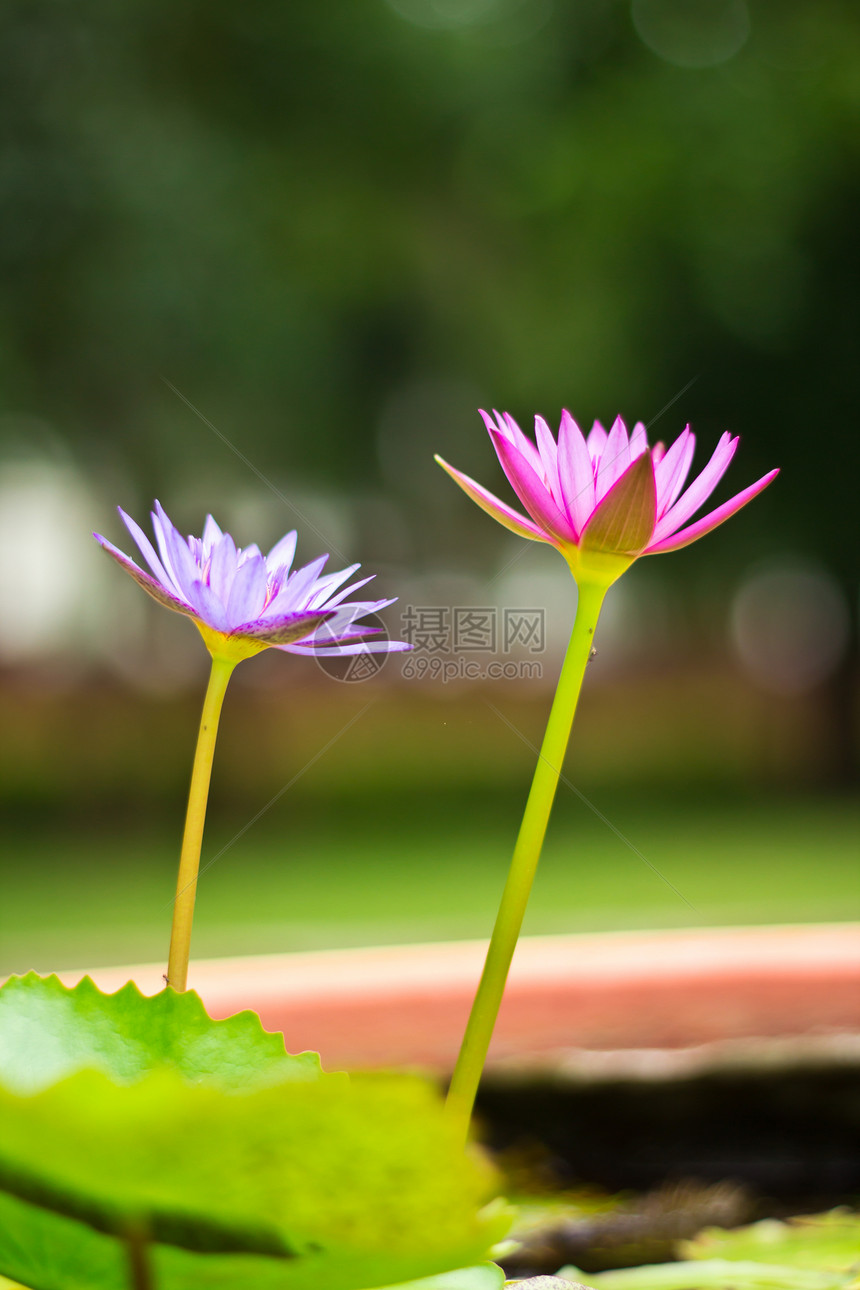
[243,601]
[606,499]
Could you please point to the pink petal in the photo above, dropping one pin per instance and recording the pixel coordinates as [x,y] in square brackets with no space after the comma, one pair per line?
[673,469]
[548,452]
[638,441]
[505,425]
[614,459]
[623,521]
[596,442]
[575,473]
[493,422]
[522,442]
[711,521]
[532,492]
[700,489]
[499,510]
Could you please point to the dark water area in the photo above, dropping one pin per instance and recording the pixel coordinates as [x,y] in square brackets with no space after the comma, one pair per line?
[791,1135]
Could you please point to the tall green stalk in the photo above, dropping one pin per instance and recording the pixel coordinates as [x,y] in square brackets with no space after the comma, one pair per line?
[482,1020]
[192,840]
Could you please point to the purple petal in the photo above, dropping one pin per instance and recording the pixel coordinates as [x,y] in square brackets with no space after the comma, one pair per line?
[177,558]
[700,489]
[329,584]
[490,503]
[283,553]
[282,602]
[209,580]
[207,607]
[575,473]
[359,647]
[351,611]
[148,551]
[161,527]
[533,494]
[222,568]
[150,585]
[284,629]
[343,625]
[346,591]
[711,521]
[248,592]
[300,584]
[211,534]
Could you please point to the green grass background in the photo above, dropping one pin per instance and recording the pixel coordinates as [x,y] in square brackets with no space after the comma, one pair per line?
[315,873]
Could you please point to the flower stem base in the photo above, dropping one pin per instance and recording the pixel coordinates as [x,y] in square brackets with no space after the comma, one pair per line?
[198,796]
[482,1020]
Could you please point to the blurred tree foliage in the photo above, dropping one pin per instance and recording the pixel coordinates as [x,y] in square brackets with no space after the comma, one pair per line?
[293,209]
[289,208]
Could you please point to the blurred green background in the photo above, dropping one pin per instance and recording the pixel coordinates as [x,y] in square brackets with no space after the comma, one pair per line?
[265,260]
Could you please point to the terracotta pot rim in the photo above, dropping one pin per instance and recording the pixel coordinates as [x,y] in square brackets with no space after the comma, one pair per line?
[682,989]
[658,957]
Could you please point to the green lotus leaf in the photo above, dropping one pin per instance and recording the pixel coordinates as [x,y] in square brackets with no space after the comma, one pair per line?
[822,1241]
[485,1276]
[49,1031]
[713,1274]
[334,1182]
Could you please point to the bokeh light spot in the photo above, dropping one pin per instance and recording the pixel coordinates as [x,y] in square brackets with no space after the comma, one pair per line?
[516,19]
[692,33]
[45,558]
[790,626]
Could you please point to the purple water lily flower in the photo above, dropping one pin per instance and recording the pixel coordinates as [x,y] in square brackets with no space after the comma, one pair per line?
[243,601]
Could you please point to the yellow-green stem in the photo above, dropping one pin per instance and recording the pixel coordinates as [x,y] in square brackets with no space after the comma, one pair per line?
[479,1030]
[139,1263]
[192,840]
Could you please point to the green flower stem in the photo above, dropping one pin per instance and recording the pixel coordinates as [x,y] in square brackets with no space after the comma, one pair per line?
[189,860]
[479,1030]
[139,1265]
